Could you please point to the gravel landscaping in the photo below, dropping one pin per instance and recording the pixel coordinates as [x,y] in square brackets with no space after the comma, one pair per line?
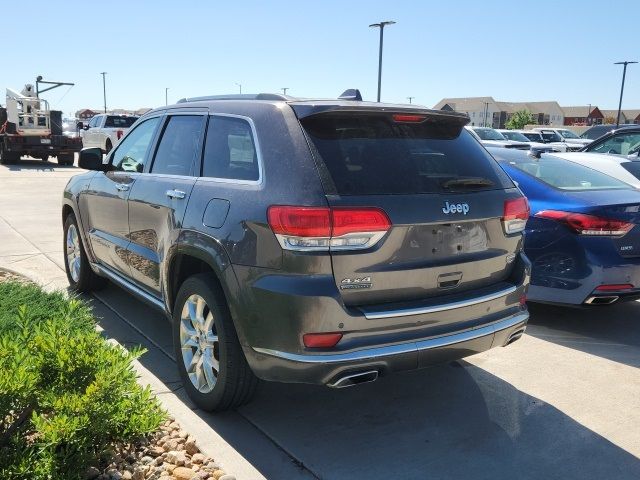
[168,454]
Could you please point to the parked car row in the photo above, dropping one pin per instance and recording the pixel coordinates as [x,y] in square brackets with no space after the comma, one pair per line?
[333,241]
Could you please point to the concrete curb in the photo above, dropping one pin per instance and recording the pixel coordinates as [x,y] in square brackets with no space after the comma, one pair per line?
[207,439]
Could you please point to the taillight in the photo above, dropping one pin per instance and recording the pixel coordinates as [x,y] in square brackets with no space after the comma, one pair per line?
[516,214]
[322,228]
[321,340]
[119,134]
[523,300]
[588,224]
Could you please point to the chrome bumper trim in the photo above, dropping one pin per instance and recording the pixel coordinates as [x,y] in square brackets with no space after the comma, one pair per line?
[390,350]
[438,308]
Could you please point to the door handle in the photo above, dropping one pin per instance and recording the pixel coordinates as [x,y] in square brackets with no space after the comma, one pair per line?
[176,194]
[122,187]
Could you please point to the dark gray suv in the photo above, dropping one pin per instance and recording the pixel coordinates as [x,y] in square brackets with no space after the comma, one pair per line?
[315,241]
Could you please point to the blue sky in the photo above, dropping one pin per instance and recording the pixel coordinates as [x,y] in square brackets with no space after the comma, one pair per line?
[513,51]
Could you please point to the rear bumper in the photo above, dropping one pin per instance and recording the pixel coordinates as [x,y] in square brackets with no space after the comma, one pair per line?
[328,368]
[592,265]
[26,145]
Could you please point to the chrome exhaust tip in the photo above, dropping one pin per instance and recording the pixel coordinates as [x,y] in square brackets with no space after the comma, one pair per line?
[514,336]
[604,300]
[354,379]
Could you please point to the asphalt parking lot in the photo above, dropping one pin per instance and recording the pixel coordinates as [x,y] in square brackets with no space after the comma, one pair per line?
[562,402]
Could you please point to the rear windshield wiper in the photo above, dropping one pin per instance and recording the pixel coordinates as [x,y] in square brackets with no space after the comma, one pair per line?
[469,182]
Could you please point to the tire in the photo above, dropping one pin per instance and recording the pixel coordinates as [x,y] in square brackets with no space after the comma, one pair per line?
[107,146]
[234,384]
[8,158]
[76,265]
[65,159]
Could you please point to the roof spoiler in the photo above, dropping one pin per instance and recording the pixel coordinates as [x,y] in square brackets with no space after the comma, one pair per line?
[351,94]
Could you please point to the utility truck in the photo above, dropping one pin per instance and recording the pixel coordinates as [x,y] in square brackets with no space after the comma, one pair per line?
[29,127]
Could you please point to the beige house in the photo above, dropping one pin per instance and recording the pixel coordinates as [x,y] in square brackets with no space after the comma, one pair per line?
[479,109]
[486,111]
[631,116]
[614,114]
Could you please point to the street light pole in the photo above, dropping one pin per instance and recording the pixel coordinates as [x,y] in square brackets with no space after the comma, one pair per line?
[104,90]
[410,99]
[284,90]
[588,113]
[624,74]
[166,102]
[381,26]
[240,87]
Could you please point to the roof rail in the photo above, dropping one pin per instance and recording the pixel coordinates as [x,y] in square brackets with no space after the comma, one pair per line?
[244,96]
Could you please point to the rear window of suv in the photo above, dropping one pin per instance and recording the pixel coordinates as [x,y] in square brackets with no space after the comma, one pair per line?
[119,122]
[371,154]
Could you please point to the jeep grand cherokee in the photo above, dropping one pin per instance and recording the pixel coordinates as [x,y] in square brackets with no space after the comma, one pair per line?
[316,241]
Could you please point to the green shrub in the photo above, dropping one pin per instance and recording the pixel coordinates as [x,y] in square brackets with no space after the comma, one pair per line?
[66,394]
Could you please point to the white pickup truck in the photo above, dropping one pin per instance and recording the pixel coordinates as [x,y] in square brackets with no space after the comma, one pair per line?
[105,131]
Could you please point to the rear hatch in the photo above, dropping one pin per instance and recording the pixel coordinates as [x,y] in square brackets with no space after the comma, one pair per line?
[443,194]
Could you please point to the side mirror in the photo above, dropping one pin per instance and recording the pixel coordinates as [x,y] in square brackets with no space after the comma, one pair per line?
[86,127]
[91,159]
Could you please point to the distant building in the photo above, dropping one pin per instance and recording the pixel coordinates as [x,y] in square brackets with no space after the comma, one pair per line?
[479,109]
[583,115]
[631,116]
[142,111]
[485,111]
[86,114]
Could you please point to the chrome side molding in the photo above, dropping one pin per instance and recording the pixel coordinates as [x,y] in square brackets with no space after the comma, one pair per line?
[130,287]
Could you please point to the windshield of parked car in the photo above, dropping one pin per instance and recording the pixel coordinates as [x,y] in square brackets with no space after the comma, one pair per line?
[619,144]
[119,122]
[566,175]
[488,134]
[550,136]
[568,134]
[371,154]
[516,136]
[533,137]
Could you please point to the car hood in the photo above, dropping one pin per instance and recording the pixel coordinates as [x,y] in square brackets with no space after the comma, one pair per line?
[503,143]
[579,141]
[586,157]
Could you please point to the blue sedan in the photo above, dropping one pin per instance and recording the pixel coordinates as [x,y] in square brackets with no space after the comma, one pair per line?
[583,234]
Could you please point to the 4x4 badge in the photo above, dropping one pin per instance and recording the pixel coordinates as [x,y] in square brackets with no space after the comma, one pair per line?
[355,283]
[455,208]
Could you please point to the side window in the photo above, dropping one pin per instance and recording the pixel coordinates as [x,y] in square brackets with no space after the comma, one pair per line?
[230,150]
[132,151]
[179,146]
[92,122]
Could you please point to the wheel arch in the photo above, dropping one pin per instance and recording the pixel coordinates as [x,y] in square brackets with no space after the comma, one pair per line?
[198,253]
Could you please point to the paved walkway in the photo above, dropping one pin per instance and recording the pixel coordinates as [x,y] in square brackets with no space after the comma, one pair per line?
[563,402]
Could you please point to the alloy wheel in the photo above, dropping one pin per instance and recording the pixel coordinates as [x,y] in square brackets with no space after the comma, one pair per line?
[199,344]
[73,253]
